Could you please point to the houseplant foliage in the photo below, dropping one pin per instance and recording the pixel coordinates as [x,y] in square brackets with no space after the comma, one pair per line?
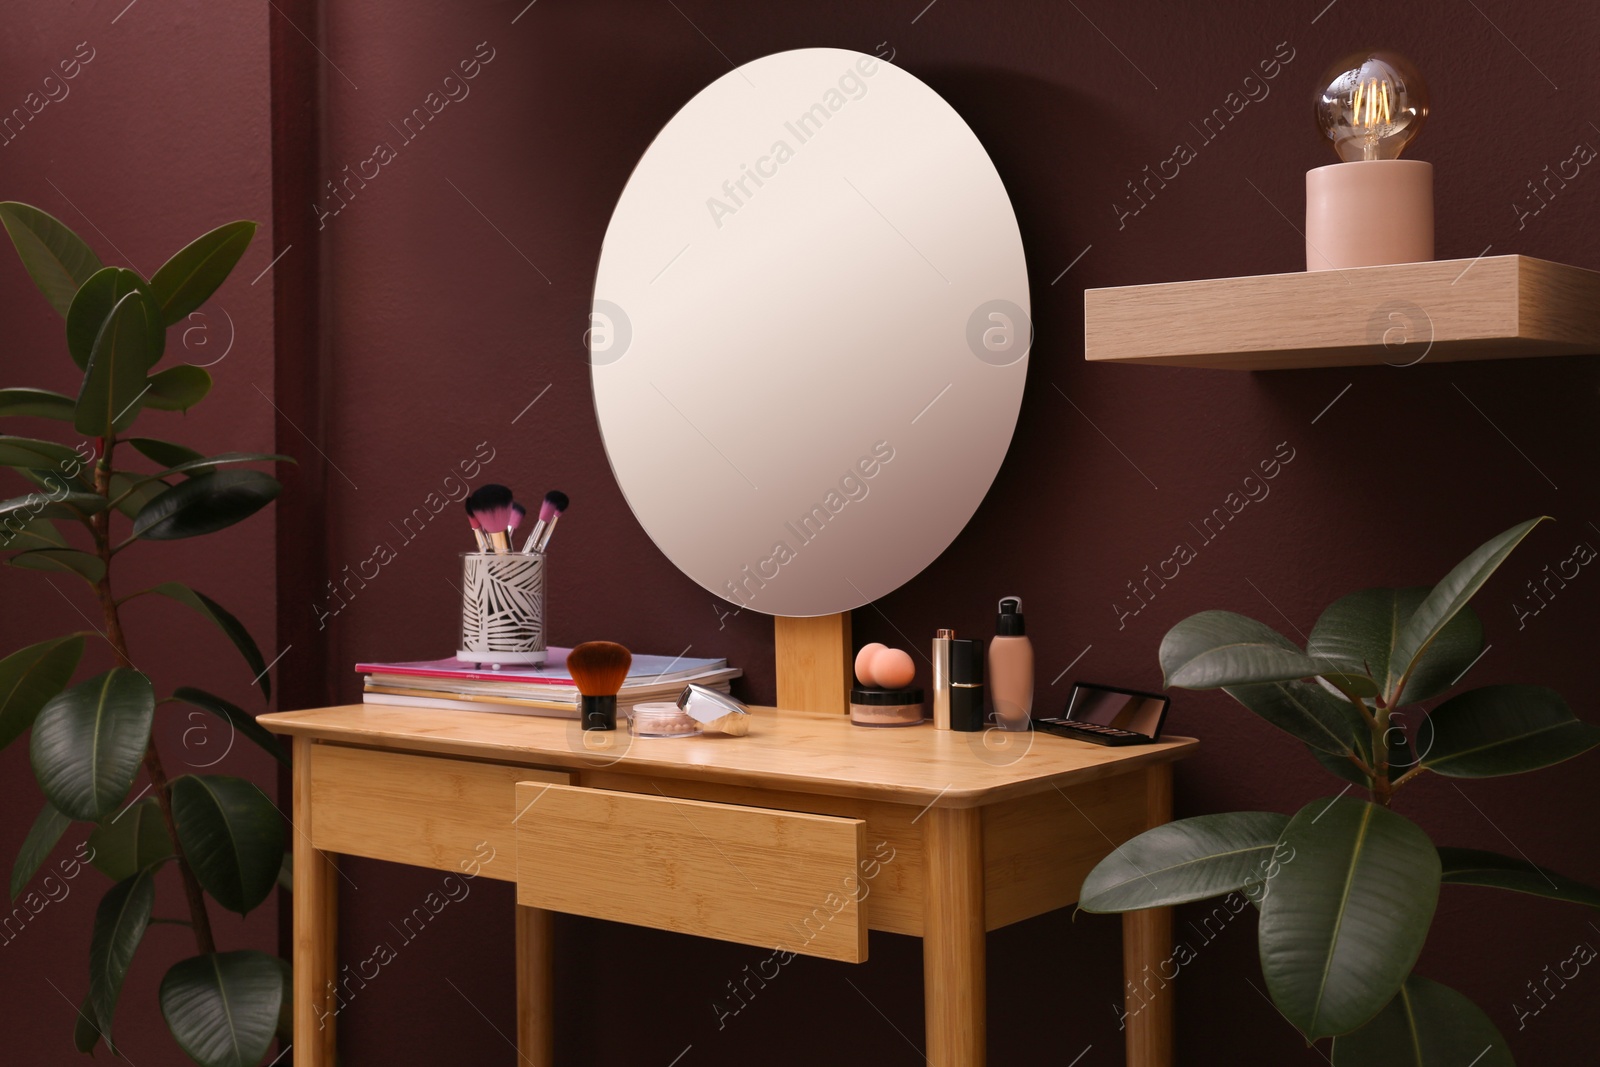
[1346,887]
[92,500]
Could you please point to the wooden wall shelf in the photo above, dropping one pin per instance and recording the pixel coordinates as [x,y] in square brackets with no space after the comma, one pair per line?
[1493,307]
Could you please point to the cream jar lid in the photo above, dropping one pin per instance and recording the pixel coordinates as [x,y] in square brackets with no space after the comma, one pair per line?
[717,713]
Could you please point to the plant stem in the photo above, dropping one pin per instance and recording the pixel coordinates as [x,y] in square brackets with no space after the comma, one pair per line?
[1378,728]
[1361,764]
[100,527]
[1350,695]
[1382,790]
[200,919]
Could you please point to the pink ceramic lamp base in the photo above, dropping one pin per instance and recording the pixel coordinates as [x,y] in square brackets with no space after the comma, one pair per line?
[1369,213]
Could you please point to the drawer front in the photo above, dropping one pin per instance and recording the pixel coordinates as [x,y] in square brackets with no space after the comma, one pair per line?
[774,879]
[890,871]
[428,811]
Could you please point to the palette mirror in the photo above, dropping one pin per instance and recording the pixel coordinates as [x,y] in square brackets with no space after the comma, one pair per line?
[810,332]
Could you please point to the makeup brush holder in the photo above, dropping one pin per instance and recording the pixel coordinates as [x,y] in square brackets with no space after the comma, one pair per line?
[502,608]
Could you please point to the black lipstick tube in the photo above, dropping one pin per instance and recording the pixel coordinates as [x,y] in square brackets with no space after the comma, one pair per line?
[966,685]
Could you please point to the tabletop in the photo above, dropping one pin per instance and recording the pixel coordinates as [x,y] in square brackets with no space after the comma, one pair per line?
[791,751]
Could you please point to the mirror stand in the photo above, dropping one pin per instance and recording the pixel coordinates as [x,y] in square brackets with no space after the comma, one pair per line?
[814,662]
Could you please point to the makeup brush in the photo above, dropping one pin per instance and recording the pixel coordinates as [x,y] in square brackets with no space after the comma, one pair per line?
[491,506]
[599,668]
[477,529]
[518,514]
[558,502]
[554,503]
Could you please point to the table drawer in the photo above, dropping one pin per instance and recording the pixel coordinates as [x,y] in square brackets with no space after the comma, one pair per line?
[891,873]
[757,876]
[428,811]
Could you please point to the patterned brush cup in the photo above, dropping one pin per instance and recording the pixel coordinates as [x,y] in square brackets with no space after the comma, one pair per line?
[502,608]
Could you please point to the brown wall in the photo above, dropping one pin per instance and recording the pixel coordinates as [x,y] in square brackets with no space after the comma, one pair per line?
[457,291]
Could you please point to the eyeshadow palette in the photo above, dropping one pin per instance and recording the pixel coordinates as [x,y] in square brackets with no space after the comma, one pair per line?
[1108,715]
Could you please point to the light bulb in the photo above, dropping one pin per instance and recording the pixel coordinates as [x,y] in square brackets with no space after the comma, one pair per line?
[1372,105]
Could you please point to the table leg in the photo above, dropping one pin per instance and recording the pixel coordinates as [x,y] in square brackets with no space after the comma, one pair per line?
[1146,947]
[1146,954]
[953,980]
[316,911]
[535,987]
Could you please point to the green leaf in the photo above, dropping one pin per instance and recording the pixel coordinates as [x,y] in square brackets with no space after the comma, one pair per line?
[205,504]
[1354,640]
[1451,595]
[1473,866]
[163,452]
[1307,711]
[136,491]
[27,452]
[1218,648]
[58,505]
[1190,859]
[1505,729]
[29,677]
[55,257]
[64,560]
[130,842]
[188,279]
[47,830]
[205,464]
[57,479]
[233,836]
[236,717]
[285,1027]
[35,403]
[114,384]
[1454,648]
[75,506]
[119,925]
[89,740]
[178,388]
[85,1029]
[93,306]
[1425,1025]
[1341,767]
[1348,915]
[232,627]
[40,533]
[223,1008]
[133,491]
[1354,637]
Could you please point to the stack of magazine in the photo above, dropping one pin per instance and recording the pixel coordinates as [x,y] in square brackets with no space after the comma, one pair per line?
[526,690]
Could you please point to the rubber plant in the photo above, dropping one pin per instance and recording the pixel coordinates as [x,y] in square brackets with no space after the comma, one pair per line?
[1346,886]
[89,740]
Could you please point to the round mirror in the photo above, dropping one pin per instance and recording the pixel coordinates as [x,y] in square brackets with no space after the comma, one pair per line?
[810,332]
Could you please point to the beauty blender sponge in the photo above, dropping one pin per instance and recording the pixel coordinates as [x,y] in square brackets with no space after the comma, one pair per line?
[893,668]
[864,661]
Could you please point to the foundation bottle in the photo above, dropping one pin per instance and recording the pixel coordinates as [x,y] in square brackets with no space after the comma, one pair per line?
[1011,667]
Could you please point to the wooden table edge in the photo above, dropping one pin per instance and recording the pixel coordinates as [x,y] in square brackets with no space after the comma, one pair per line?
[1167,750]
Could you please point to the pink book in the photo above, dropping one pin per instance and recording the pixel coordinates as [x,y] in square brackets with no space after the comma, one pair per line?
[553,671]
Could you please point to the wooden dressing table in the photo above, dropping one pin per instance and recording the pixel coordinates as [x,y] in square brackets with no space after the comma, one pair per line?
[840,829]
